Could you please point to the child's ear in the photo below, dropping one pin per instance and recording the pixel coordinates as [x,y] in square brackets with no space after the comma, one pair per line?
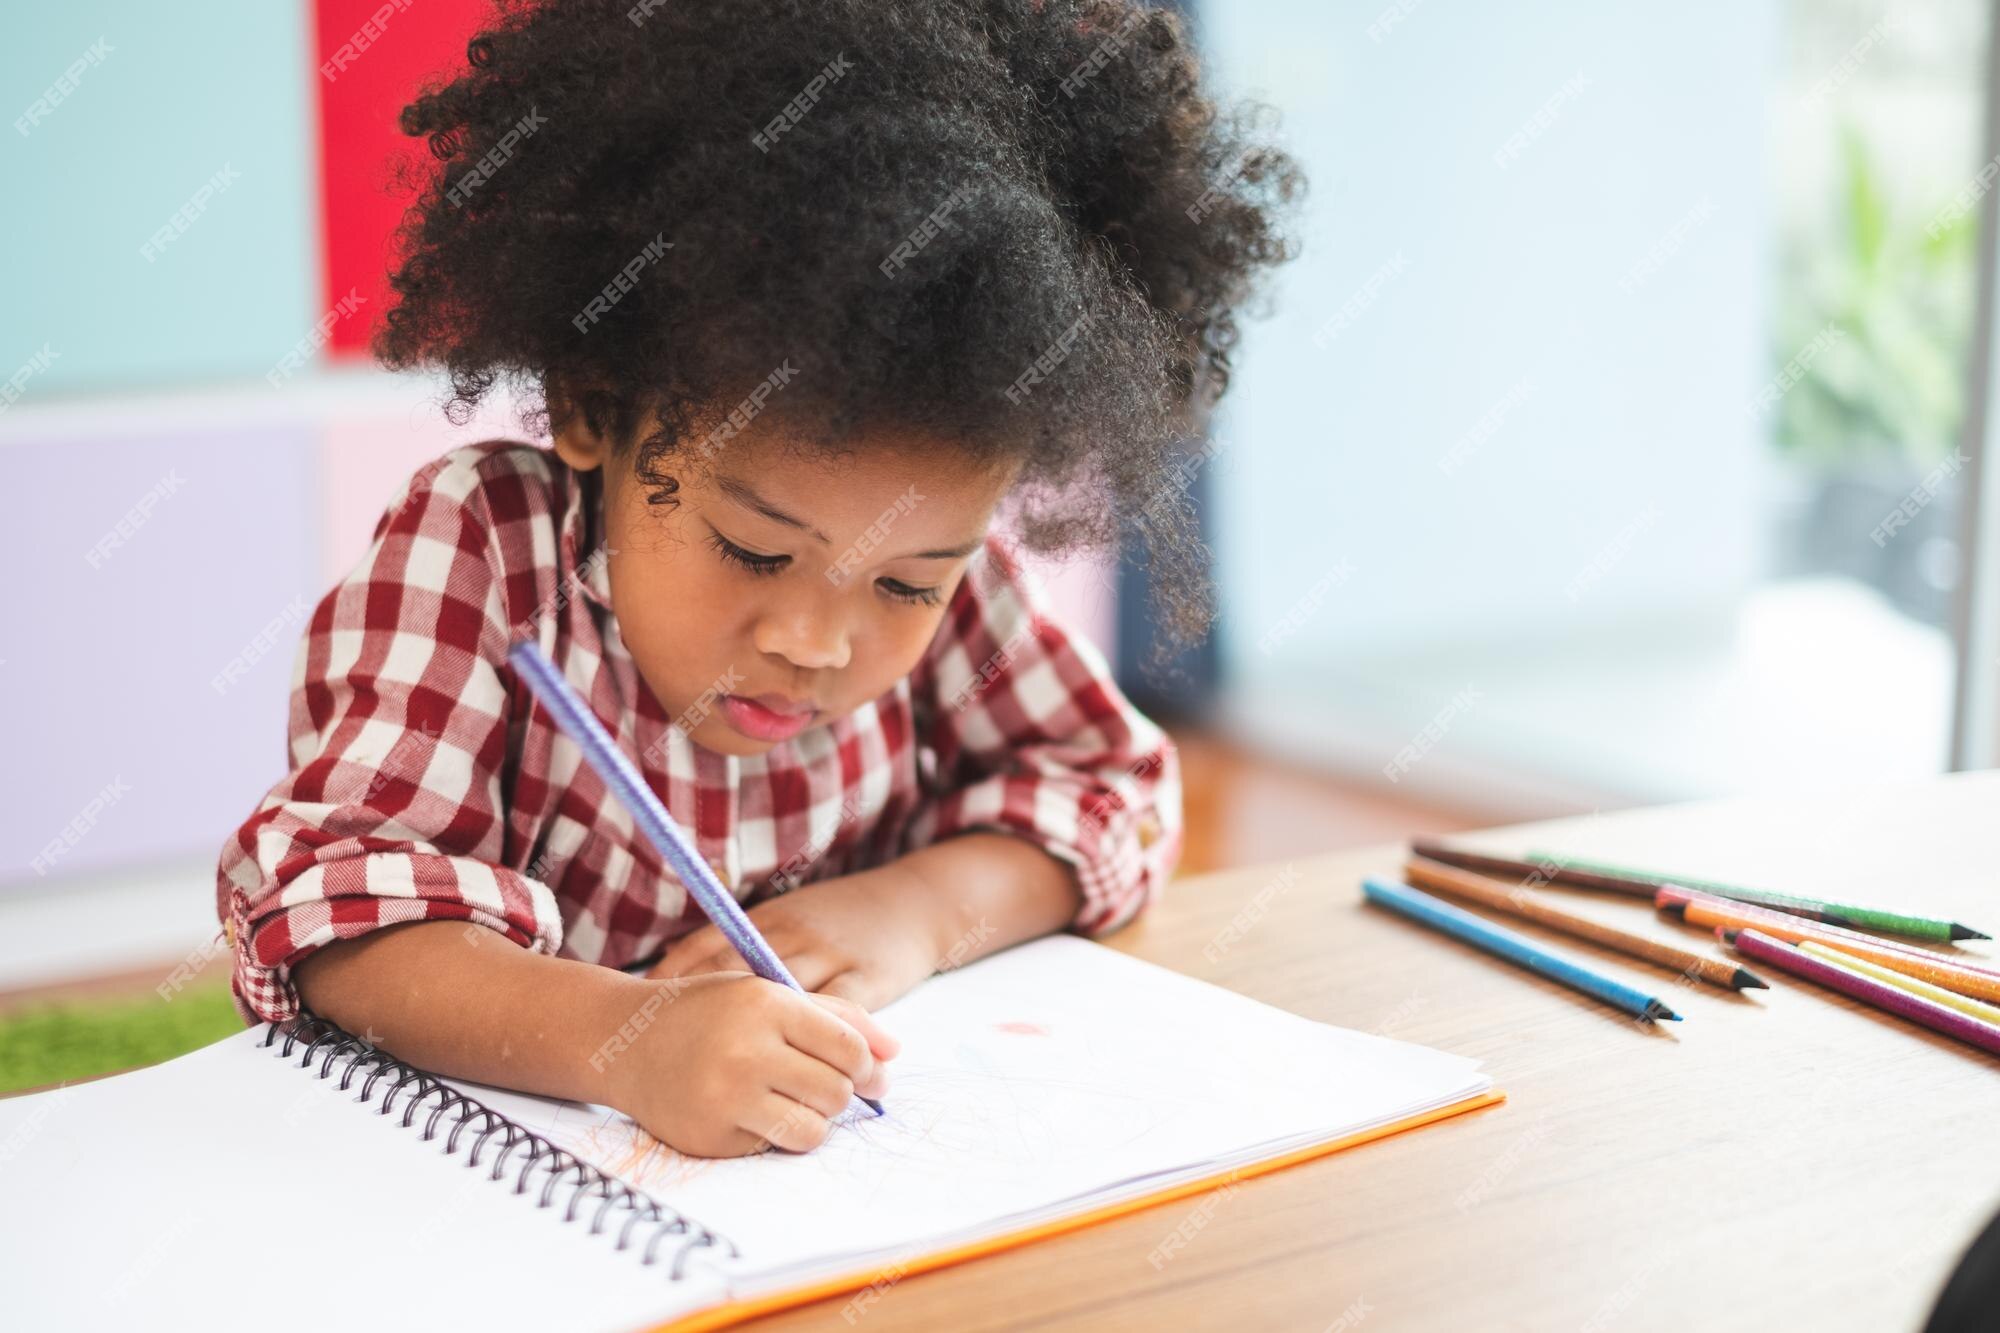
[576,443]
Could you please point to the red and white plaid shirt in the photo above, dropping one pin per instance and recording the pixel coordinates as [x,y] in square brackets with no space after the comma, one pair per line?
[426,785]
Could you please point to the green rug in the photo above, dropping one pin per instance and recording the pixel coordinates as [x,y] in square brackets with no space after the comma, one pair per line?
[55,1043]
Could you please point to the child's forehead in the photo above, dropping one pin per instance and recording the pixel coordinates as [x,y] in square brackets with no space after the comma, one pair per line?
[926,485]
[868,461]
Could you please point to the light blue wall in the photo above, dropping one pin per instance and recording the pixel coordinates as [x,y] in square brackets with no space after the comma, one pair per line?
[1508,274]
[181,93]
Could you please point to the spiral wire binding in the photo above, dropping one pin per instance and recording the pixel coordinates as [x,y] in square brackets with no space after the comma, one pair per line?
[452,1110]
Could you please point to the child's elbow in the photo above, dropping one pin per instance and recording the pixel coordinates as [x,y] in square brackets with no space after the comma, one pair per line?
[1129,880]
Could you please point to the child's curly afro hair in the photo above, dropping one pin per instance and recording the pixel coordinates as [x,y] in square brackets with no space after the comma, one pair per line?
[1017,227]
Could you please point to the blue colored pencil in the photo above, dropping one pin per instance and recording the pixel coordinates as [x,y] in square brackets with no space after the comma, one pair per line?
[1519,949]
[581,726]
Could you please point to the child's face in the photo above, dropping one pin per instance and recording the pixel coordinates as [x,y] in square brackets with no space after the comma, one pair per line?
[850,565]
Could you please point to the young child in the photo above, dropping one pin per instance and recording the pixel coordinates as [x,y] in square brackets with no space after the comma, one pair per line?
[811,292]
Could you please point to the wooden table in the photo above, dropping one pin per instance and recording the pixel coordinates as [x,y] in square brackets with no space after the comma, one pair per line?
[1785,1160]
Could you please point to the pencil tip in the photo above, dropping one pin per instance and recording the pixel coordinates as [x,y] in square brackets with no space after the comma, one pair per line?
[1654,1009]
[1748,980]
[1959,932]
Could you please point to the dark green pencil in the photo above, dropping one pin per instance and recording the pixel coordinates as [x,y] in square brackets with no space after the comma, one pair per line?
[1815,909]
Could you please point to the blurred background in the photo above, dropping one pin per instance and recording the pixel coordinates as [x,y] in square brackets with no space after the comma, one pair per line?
[1615,439]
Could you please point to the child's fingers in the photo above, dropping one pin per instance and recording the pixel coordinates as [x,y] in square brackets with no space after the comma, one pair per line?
[849,984]
[812,969]
[734,1143]
[812,1082]
[704,951]
[815,1030]
[880,1041]
[708,950]
[785,1123]
[692,954]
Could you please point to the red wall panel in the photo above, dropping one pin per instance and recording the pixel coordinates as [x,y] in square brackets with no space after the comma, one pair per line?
[371,57]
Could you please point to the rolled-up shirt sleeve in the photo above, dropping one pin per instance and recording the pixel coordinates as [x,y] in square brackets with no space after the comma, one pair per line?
[1031,736]
[393,808]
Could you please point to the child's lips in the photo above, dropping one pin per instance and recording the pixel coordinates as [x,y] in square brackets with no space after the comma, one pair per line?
[781,704]
[767,717]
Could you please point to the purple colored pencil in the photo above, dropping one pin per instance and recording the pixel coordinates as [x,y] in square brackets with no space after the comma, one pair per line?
[1937,1017]
[581,726]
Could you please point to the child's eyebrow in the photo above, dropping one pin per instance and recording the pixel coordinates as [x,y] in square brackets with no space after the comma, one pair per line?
[742,493]
[946,552]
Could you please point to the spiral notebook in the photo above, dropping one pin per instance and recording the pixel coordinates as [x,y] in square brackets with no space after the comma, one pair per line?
[304,1178]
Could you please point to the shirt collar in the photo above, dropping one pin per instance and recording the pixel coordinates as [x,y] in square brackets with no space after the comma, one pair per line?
[582,535]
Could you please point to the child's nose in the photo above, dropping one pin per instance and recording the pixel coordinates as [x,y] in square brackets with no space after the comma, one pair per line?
[809,639]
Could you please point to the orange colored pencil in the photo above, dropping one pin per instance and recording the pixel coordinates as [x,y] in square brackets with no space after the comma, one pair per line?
[1702,910]
[1951,999]
[1517,901]
[1670,898]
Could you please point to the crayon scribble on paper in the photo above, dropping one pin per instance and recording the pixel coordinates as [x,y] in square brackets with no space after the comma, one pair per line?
[1022,1029]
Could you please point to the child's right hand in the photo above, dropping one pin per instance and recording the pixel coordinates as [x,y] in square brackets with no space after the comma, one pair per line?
[733,1062]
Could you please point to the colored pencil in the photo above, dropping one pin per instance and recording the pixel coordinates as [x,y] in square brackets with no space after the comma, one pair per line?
[1916,1008]
[1673,898]
[1517,949]
[1965,1004]
[1517,901]
[1819,909]
[1548,868]
[1434,849]
[581,726]
[1704,911]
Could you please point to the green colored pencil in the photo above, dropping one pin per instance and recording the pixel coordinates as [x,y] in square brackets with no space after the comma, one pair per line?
[1816,909]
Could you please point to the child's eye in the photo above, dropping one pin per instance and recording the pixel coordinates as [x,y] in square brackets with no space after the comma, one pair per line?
[903,592]
[750,560]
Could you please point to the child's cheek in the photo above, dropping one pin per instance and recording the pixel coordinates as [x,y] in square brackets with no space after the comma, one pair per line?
[683,625]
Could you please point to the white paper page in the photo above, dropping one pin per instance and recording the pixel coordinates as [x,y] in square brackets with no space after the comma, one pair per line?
[1047,1072]
[231,1190]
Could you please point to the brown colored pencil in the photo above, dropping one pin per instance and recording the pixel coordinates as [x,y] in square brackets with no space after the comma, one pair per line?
[1516,901]
[1541,872]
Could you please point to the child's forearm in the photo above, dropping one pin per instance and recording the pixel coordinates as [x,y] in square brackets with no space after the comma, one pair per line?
[991,891]
[464,1002]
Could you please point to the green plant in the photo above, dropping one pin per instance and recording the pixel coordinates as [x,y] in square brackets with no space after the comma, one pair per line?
[58,1042]
[1899,291]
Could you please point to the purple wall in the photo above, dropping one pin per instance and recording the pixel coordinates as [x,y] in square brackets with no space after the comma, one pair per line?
[115,641]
